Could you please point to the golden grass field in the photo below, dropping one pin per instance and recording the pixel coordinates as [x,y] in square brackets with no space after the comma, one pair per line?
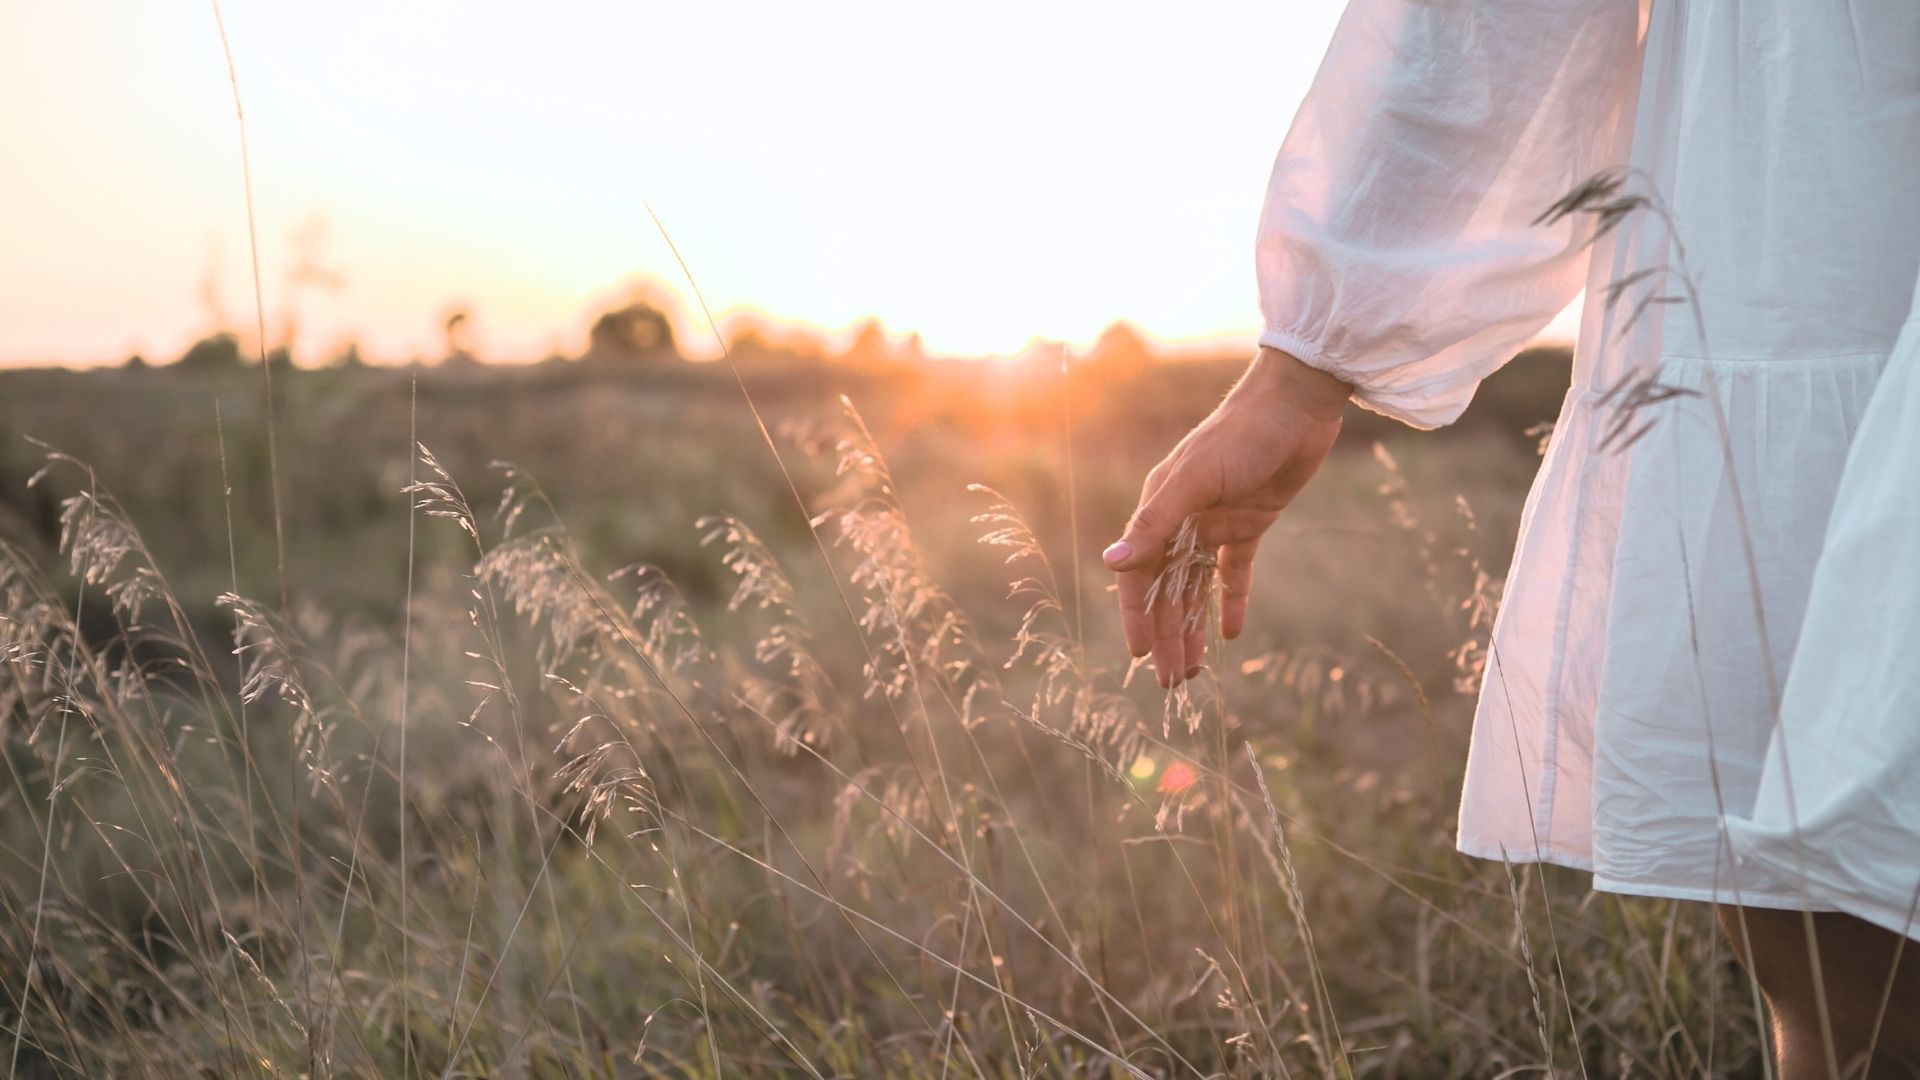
[629,759]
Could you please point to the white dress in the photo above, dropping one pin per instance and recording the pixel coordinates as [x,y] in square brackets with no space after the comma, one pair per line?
[1764,254]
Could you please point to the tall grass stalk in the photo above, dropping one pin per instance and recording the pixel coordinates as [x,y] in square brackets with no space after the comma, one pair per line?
[406,705]
[259,306]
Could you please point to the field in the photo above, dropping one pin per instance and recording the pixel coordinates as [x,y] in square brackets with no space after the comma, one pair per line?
[564,721]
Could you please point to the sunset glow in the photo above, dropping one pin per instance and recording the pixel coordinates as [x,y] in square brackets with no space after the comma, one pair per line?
[982,178]
[982,175]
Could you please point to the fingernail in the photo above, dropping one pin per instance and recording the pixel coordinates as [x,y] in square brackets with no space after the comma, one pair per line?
[1193,671]
[1119,552]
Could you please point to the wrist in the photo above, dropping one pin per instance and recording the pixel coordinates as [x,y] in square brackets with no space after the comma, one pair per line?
[1290,379]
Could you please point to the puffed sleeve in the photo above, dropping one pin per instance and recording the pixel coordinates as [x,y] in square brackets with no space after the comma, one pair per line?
[1397,249]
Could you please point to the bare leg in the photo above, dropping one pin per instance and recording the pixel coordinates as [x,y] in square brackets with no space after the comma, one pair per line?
[1871,1007]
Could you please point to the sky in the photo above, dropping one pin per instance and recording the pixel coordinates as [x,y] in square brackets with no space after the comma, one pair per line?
[982,174]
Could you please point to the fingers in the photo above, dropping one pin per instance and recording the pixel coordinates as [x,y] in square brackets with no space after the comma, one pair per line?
[1236,584]
[1135,621]
[1194,640]
[1169,639]
[1179,495]
[1163,627]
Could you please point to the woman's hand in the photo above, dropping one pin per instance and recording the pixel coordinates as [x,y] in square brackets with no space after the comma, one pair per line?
[1235,472]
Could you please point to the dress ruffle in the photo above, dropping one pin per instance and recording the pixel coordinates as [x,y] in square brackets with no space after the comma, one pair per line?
[1673,573]
[1836,813]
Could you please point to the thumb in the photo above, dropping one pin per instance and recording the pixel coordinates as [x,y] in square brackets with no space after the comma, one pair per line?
[1155,522]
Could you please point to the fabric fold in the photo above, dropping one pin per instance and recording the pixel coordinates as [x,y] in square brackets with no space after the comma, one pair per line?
[1399,248]
[1836,812]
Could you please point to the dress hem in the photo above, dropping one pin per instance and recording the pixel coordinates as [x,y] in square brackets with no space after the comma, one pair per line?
[1652,889]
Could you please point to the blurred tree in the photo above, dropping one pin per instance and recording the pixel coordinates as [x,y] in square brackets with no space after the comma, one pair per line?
[748,343]
[454,328]
[214,352]
[1043,356]
[348,357]
[869,348]
[803,343]
[136,362]
[1120,351]
[308,273]
[222,350]
[211,303]
[752,339]
[636,331]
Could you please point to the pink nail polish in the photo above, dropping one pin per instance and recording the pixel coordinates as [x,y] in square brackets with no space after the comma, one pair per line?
[1117,552]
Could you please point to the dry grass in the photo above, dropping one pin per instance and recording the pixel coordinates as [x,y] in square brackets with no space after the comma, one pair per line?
[736,809]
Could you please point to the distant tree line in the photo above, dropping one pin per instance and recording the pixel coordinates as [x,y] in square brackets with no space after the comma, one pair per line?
[640,332]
